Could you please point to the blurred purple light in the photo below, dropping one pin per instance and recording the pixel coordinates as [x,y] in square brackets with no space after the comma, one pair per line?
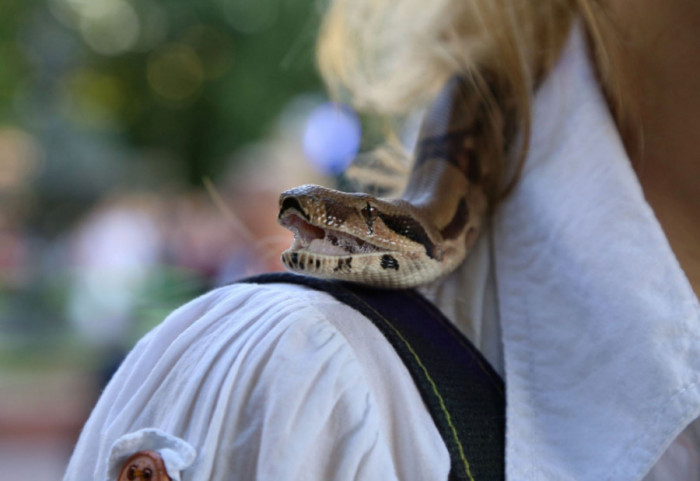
[332,137]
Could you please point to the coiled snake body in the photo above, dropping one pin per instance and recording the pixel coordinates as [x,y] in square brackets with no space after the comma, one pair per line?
[412,240]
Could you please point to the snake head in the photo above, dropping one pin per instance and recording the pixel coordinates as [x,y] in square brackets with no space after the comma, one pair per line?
[359,238]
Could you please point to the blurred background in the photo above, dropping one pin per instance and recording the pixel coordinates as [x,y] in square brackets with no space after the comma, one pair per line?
[143,145]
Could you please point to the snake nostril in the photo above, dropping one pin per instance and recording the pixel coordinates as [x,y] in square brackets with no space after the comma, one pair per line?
[292,203]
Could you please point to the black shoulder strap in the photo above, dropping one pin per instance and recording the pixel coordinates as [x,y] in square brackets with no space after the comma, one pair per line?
[463,393]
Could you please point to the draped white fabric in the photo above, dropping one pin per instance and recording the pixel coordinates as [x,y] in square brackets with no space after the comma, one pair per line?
[269,383]
[600,330]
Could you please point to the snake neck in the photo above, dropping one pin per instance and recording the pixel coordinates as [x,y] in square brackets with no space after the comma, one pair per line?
[458,148]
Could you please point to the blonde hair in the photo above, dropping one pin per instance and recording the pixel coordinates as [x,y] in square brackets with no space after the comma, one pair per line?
[392,56]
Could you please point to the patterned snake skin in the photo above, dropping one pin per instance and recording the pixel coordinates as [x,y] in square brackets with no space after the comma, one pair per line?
[419,237]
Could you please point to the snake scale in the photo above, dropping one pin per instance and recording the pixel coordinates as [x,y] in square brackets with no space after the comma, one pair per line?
[411,240]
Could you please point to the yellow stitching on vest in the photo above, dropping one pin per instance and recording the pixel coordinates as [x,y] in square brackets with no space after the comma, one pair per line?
[432,384]
[495,382]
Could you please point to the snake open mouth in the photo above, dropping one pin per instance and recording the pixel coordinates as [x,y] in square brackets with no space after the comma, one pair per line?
[328,242]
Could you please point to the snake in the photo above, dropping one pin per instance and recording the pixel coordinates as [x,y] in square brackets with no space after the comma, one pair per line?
[420,236]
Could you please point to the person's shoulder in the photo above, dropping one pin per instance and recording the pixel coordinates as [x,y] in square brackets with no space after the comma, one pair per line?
[240,304]
[291,320]
[264,361]
[258,343]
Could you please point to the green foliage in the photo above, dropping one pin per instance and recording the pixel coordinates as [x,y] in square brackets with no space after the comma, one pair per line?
[196,80]
[122,95]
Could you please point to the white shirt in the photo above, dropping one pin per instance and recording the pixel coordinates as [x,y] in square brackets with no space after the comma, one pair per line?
[573,294]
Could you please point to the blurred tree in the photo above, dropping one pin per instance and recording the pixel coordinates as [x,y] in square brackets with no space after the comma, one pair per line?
[14,66]
[146,93]
[117,95]
[203,78]
[221,75]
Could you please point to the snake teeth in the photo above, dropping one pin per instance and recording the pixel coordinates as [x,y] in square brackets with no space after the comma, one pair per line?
[325,241]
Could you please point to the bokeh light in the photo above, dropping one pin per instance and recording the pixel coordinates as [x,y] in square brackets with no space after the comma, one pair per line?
[93,98]
[20,159]
[110,27]
[332,137]
[214,48]
[175,72]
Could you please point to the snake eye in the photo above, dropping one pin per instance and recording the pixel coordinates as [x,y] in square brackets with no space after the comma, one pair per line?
[369,213]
